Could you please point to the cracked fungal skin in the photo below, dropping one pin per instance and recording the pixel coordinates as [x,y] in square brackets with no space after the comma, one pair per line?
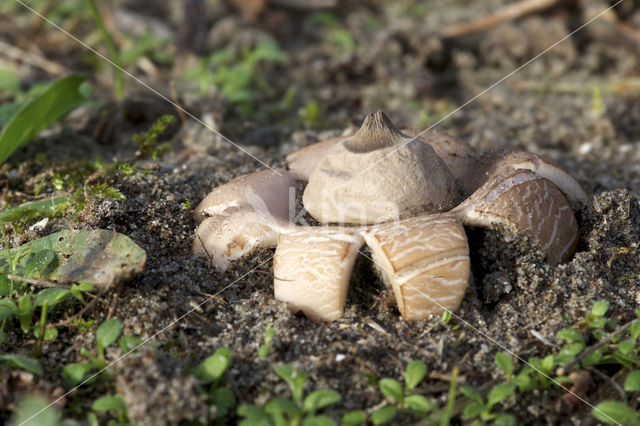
[405,197]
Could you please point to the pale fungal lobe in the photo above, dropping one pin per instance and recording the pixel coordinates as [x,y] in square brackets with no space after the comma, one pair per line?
[311,270]
[246,213]
[425,260]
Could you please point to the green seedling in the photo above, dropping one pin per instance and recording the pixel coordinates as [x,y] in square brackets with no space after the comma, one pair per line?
[311,114]
[107,334]
[269,334]
[406,399]
[148,142]
[113,404]
[297,410]
[149,46]
[482,410]
[338,36]
[238,76]
[210,373]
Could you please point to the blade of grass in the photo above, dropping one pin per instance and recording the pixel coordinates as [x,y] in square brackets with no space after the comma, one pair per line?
[55,102]
[111,45]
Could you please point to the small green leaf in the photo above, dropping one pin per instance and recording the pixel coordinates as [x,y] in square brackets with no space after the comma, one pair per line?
[598,323]
[78,289]
[473,409]
[295,379]
[49,333]
[471,393]
[5,285]
[568,352]
[593,358]
[626,347]
[499,393]
[615,412]
[26,313]
[253,416]
[128,343]
[8,308]
[634,329]
[224,399]
[108,403]
[504,420]
[570,334]
[279,406]
[37,262]
[504,363]
[632,382]
[108,332]
[23,362]
[318,421]
[214,367]
[549,361]
[92,419]
[319,399]
[51,296]
[600,308]
[35,410]
[75,373]
[419,403]
[524,382]
[392,388]
[383,415]
[414,374]
[354,418]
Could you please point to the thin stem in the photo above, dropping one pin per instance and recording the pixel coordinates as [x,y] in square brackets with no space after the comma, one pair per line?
[606,339]
[111,45]
[43,328]
[451,399]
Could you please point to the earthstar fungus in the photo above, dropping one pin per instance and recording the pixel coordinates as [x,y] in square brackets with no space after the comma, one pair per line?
[410,209]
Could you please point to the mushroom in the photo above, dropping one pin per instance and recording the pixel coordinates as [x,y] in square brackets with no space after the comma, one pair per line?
[403,209]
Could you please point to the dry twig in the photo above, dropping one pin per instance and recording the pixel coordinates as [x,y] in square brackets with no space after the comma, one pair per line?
[507,13]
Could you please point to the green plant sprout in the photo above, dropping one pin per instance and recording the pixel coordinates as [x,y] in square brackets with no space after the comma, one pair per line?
[210,373]
[238,77]
[106,334]
[269,334]
[294,411]
[109,403]
[406,399]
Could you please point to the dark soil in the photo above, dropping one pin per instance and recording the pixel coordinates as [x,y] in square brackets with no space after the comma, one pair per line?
[399,64]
